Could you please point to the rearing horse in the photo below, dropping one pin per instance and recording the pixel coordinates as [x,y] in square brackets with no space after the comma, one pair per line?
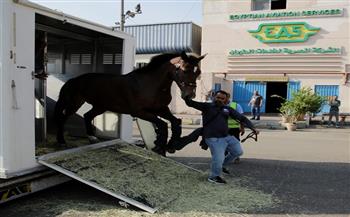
[143,93]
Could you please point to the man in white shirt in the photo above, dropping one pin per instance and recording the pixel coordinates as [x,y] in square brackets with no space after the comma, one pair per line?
[256,103]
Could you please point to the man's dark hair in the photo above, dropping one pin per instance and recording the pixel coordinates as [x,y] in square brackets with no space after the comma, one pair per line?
[222,92]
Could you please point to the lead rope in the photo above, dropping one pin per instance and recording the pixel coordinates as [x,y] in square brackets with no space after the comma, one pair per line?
[252,135]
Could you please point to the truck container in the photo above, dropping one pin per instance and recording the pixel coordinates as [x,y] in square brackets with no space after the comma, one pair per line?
[40,49]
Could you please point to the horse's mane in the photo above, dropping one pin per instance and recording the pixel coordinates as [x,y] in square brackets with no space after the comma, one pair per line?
[156,61]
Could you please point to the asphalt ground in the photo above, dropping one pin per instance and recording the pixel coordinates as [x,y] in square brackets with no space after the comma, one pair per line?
[308,170]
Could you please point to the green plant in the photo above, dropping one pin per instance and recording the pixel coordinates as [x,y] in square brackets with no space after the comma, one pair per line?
[302,102]
[288,112]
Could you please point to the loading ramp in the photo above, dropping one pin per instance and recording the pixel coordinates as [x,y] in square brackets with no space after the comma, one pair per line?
[132,174]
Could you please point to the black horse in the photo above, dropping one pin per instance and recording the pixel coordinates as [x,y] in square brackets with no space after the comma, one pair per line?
[143,93]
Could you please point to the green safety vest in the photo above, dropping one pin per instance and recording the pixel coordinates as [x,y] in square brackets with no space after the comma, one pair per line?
[231,122]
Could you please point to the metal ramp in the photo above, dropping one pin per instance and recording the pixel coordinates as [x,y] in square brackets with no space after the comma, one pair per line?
[132,174]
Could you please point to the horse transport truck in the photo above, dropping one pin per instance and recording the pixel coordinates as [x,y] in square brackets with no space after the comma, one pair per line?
[40,49]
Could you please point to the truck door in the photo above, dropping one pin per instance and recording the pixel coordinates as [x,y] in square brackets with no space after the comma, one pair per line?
[22,86]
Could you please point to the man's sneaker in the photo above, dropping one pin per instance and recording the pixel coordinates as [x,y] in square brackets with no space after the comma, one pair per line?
[226,171]
[216,180]
[253,118]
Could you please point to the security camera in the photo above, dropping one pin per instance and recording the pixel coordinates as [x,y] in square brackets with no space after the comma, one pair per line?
[130,14]
[138,8]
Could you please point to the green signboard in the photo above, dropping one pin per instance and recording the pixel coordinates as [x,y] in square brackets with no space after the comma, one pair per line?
[287,14]
[285,51]
[290,32]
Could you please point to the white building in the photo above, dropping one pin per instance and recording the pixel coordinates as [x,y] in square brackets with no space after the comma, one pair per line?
[276,47]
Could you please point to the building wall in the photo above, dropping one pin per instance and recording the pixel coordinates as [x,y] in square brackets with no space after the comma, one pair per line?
[222,35]
[166,37]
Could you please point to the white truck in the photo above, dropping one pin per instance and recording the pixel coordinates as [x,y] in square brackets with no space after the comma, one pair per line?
[40,49]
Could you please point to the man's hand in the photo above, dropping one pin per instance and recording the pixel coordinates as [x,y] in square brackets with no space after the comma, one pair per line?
[241,129]
[242,132]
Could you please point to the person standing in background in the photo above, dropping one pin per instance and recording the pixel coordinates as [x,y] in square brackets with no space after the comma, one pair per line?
[256,102]
[334,104]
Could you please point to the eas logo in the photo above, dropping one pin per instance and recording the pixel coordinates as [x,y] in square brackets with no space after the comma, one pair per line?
[284,32]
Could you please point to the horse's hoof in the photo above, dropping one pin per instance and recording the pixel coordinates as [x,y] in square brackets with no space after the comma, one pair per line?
[60,144]
[93,139]
[173,145]
[163,153]
[171,150]
[159,150]
[171,142]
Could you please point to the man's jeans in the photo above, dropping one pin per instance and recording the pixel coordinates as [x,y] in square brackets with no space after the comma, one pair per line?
[256,112]
[336,115]
[218,146]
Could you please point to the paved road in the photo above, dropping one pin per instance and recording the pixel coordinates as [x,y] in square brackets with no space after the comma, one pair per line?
[308,170]
[310,145]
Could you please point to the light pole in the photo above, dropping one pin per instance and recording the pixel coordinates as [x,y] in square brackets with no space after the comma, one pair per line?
[122,16]
[128,14]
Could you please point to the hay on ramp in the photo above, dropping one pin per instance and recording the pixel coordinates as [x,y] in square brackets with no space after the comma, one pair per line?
[51,145]
[160,182]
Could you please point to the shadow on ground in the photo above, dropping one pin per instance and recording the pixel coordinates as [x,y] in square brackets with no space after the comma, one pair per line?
[302,187]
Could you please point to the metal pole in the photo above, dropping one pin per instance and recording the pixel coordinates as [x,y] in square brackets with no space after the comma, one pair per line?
[122,16]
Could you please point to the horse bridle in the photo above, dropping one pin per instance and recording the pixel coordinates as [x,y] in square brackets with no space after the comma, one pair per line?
[252,135]
[182,83]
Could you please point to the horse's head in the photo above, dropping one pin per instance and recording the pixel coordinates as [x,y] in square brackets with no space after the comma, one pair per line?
[187,73]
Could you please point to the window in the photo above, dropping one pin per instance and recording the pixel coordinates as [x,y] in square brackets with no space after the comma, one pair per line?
[75,59]
[217,87]
[52,57]
[278,4]
[140,64]
[86,59]
[109,59]
[118,58]
[258,5]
